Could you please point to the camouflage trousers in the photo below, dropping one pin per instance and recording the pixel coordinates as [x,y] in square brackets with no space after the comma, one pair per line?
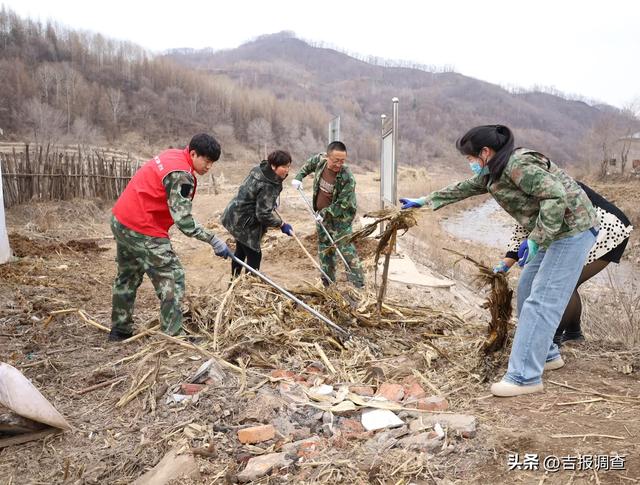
[329,257]
[136,255]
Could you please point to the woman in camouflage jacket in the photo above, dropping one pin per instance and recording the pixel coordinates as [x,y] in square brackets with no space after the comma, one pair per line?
[562,227]
[251,213]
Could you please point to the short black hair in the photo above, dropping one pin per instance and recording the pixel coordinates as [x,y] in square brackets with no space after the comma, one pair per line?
[205,146]
[336,146]
[279,158]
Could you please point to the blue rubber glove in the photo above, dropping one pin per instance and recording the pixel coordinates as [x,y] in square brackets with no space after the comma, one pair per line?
[501,267]
[527,251]
[287,229]
[413,203]
[219,247]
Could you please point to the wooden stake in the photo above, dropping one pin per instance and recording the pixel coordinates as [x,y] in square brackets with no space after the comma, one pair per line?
[589,435]
[25,438]
[101,385]
[385,272]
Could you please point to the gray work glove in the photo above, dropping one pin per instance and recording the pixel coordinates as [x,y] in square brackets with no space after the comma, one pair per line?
[219,247]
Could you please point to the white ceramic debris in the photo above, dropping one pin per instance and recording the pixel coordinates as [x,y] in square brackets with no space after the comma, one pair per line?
[379,419]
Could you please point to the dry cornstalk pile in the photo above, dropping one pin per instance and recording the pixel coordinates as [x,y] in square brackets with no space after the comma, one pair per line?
[253,326]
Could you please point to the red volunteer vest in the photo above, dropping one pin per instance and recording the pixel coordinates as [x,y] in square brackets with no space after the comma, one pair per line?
[143,206]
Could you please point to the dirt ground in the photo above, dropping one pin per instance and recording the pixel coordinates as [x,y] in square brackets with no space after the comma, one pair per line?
[587,417]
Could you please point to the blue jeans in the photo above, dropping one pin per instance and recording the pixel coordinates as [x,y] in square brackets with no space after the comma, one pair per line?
[544,290]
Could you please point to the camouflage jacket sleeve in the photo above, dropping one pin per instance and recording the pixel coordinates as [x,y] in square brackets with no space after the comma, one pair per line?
[344,205]
[530,174]
[179,187]
[457,192]
[308,167]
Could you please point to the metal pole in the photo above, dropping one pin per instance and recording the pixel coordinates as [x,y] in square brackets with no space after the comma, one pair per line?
[315,313]
[383,117]
[333,243]
[394,151]
[315,263]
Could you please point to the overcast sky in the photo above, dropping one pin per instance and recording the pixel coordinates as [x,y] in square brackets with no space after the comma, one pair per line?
[590,47]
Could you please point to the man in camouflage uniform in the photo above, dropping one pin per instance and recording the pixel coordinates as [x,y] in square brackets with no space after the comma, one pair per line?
[334,200]
[159,195]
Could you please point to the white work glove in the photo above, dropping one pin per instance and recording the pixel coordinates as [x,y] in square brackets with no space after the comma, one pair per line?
[319,218]
[296,184]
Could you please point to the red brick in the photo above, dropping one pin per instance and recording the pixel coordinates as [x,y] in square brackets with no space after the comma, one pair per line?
[414,391]
[282,374]
[353,429]
[391,392]
[409,380]
[361,390]
[314,369]
[189,389]
[433,403]
[256,434]
[308,449]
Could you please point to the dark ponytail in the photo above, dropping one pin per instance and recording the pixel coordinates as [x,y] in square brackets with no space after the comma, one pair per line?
[497,137]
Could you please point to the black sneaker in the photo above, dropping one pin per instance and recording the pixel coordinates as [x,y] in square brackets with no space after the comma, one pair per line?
[118,336]
[557,339]
[573,336]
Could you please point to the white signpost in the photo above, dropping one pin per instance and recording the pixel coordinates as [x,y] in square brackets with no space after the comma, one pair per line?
[388,164]
[334,130]
[5,251]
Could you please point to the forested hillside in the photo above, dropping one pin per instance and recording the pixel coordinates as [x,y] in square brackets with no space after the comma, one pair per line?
[62,85]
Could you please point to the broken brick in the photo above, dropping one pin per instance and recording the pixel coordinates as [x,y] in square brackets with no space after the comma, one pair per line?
[262,465]
[433,403]
[315,368]
[189,389]
[256,434]
[351,428]
[414,391]
[461,424]
[308,449]
[361,390]
[283,374]
[391,392]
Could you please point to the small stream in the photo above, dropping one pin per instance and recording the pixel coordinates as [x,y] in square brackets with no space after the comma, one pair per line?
[488,224]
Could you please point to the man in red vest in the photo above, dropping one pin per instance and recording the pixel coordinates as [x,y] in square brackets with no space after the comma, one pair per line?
[159,195]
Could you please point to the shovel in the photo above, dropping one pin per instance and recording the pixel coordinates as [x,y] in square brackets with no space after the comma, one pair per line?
[315,313]
[333,243]
[315,263]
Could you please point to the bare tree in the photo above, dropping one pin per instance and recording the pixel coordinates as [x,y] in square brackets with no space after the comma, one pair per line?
[45,79]
[259,134]
[45,122]
[71,79]
[194,102]
[114,96]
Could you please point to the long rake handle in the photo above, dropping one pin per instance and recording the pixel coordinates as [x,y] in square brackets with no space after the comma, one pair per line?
[315,263]
[289,295]
[333,243]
